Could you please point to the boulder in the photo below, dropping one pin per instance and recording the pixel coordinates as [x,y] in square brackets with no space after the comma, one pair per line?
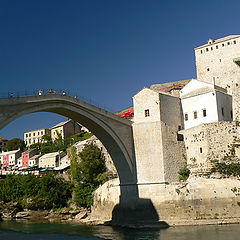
[81,215]
[74,212]
[25,215]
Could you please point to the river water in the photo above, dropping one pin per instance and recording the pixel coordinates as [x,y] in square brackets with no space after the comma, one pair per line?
[12,230]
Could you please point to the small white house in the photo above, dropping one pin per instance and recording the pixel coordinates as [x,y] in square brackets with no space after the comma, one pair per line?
[204,103]
[51,160]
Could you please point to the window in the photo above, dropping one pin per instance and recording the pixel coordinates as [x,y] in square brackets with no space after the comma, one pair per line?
[200,150]
[234,42]
[42,132]
[201,51]
[204,112]
[228,43]
[185,116]
[38,133]
[222,111]
[223,45]
[26,135]
[207,49]
[208,69]
[179,128]
[195,114]
[147,113]
[217,47]
[211,48]
[33,134]
[29,134]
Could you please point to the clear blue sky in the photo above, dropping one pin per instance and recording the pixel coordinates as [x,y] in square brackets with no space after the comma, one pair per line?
[106,50]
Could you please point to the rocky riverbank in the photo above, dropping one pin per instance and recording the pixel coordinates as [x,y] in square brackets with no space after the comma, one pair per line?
[13,211]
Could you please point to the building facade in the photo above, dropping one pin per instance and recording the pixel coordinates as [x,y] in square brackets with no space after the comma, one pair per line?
[205,103]
[51,160]
[35,136]
[158,146]
[26,158]
[65,129]
[9,159]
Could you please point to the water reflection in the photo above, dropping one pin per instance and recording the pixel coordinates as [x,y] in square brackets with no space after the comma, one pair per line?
[46,231]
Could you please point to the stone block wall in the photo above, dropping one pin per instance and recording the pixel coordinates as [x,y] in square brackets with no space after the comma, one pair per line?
[212,141]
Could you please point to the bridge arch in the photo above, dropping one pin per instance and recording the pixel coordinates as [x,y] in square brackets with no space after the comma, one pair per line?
[114,132]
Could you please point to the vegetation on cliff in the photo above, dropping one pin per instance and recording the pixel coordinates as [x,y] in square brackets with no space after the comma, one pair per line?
[183,173]
[14,144]
[226,169]
[88,171]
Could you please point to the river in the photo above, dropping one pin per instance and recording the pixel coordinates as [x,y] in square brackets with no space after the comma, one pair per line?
[12,230]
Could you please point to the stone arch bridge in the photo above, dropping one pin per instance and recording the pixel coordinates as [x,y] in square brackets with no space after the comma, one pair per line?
[113,131]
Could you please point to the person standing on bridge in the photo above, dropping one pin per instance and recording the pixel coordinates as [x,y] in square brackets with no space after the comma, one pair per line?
[40,92]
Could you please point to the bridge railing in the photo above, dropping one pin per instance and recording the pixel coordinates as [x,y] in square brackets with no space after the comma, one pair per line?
[36,92]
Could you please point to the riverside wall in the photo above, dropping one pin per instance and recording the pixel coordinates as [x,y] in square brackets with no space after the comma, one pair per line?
[197,199]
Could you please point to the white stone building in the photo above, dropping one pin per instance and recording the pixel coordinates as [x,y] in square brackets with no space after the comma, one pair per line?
[35,136]
[204,103]
[51,160]
[158,146]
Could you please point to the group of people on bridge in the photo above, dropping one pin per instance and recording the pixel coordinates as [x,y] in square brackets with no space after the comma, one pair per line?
[41,92]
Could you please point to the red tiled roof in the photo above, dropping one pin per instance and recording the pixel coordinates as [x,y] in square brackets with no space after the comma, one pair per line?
[168,89]
[3,139]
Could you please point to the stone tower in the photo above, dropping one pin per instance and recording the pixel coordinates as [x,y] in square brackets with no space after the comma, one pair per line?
[159,148]
[218,62]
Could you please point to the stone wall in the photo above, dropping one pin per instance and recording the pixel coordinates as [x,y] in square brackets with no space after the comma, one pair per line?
[208,142]
[198,198]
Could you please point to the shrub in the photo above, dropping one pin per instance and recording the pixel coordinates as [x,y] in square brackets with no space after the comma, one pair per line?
[36,193]
[184,173]
[228,169]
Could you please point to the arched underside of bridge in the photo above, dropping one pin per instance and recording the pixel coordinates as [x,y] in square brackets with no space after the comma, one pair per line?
[114,132]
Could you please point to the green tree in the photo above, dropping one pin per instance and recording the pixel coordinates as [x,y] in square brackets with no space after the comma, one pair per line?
[92,164]
[14,144]
[74,166]
[88,171]
[36,193]
[47,138]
